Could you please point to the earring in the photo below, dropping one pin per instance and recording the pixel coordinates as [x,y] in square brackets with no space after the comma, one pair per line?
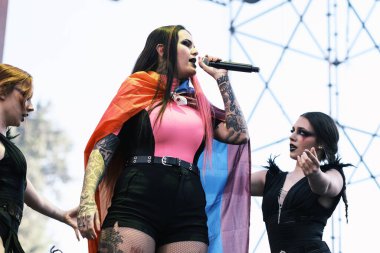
[320,147]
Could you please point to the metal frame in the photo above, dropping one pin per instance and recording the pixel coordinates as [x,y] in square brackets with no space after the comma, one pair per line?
[330,53]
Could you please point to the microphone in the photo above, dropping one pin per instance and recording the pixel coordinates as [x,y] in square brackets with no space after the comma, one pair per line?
[231,66]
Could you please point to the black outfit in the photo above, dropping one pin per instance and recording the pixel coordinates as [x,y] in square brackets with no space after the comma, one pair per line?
[12,188]
[296,227]
[165,202]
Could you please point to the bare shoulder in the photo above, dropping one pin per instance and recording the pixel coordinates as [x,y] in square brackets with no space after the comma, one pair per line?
[258,182]
[336,183]
[261,174]
[335,174]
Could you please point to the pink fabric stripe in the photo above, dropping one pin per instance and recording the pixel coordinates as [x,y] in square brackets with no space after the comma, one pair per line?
[237,201]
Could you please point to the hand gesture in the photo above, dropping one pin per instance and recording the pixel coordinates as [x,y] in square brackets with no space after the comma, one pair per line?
[214,72]
[70,218]
[190,100]
[309,162]
[88,218]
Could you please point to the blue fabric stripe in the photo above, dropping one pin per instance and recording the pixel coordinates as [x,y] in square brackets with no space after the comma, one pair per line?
[214,180]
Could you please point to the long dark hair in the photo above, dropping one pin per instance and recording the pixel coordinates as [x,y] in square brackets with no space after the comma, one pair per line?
[327,136]
[148,59]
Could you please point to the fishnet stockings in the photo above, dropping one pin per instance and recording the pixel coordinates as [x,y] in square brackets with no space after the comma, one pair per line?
[184,247]
[125,240]
[129,240]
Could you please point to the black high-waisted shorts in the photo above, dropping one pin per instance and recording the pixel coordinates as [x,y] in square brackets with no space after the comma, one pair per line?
[165,202]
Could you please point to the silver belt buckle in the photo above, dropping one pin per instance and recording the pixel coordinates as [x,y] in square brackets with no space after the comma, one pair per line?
[282,251]
[163,161]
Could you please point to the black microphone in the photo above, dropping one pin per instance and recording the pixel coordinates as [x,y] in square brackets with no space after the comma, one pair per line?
[231,66]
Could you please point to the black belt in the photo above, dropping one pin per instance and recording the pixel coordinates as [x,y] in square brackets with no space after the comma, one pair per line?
[166,160]
[14,210]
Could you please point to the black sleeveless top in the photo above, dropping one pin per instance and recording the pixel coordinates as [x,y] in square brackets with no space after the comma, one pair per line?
[12,174]
[301,219]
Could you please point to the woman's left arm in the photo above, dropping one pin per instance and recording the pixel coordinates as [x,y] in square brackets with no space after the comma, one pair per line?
[234,129]
[43,206]
[329,183]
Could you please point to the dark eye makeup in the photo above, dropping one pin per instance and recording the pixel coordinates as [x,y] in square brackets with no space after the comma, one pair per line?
[187,43]
[302,132]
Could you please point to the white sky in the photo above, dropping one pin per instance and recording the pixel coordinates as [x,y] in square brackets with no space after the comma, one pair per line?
[79,52]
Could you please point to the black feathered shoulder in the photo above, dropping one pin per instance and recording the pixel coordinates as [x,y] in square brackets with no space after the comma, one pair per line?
[336,164]
[272,166]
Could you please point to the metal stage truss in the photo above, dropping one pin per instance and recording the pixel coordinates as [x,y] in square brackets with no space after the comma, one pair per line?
[314,55]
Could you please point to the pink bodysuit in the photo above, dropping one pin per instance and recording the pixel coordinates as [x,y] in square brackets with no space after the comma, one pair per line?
[179,134]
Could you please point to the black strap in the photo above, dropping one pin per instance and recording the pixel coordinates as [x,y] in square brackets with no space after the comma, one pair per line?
[12,244]
[166,160]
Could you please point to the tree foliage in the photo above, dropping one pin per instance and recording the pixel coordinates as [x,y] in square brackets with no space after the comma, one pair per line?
[45,149]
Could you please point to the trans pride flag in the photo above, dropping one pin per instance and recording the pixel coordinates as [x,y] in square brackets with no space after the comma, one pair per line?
[227,188]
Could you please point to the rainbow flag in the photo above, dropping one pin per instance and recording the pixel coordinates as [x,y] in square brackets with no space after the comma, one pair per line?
[227,188]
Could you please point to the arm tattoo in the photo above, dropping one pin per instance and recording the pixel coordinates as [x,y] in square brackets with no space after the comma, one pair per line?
[107,147]
[93,174]
[97,163]
[234,116]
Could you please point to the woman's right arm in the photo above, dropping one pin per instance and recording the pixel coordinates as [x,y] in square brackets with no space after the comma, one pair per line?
[258,182]
[98,161]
